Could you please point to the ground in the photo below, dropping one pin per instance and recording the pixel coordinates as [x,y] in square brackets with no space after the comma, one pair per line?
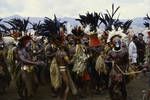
[134,88]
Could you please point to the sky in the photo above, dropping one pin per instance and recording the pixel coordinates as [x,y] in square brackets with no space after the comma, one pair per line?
[72,8]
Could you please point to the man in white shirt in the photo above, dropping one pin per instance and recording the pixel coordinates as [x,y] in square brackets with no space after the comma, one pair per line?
[133,51]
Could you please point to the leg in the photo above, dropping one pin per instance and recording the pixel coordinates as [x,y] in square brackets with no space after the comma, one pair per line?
[111,92]
[66,82]
[123,89]
[35,81]
[28,82]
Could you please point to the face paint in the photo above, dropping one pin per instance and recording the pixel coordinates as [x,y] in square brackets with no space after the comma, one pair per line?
[117,44]
[28,46]
[85,41]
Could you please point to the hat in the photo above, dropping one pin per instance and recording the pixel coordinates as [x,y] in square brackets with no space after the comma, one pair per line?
[140,34]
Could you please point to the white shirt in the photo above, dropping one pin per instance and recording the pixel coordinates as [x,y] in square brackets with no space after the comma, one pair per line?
[133,52]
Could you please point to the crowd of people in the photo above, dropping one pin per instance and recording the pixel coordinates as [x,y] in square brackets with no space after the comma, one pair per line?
[75,63]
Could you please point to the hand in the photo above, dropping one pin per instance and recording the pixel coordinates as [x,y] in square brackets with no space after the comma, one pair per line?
[144,70]
[41,63]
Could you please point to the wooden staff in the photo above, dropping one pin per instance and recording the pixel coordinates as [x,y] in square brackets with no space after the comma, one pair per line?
[129,73]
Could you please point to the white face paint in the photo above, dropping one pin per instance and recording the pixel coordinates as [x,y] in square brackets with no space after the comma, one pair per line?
[117,43]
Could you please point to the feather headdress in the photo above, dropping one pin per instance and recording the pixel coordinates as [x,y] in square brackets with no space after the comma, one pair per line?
[51,29]
[78,32]
[112,34]
[90,21]
[111,23]
[19,25]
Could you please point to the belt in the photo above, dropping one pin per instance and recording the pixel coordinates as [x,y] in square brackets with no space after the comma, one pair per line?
[62,68]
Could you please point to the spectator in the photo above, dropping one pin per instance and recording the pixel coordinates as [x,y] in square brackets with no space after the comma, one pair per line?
[140,49]
[133,50]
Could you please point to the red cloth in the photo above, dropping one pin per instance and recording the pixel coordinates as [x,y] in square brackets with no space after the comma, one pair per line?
[86,76]
[94,41]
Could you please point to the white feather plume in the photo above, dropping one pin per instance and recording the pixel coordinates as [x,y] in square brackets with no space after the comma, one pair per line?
[87,29]
[69,28]
[119,33]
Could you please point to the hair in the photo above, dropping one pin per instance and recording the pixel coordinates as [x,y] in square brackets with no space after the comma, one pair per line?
[140,34]
[134,37]
[23,41]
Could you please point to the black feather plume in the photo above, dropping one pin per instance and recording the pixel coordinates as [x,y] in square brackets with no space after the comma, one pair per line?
[19,24]
[51,28]
[146,24]
[108,18]
[126,25]
[147,21]
[91,19]
[78,32]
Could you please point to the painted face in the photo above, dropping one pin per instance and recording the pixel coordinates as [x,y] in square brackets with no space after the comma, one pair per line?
[85,41]
[71,41]
[117,43]
[28,45]
[140,37]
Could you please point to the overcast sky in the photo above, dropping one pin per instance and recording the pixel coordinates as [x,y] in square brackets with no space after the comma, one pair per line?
[72,8]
